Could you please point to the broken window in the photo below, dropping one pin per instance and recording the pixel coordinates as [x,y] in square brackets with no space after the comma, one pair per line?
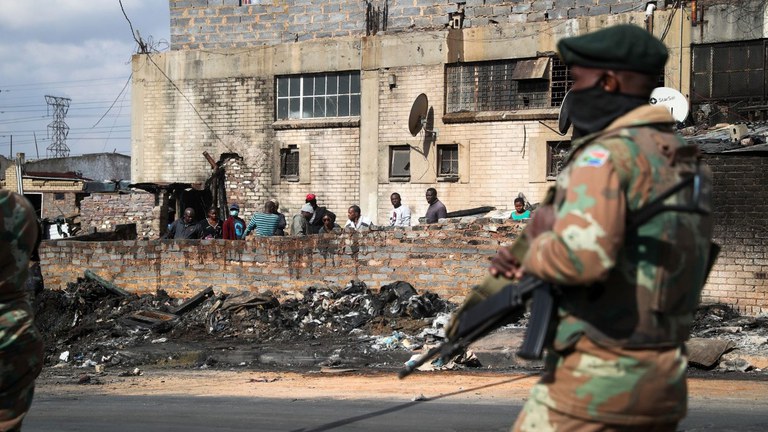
[557,151]
[728,71]
[289,163]
[505,85]
[400,163]
[448,160]
[318,95]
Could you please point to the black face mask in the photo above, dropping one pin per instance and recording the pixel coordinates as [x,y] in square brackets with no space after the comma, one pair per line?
[593,109]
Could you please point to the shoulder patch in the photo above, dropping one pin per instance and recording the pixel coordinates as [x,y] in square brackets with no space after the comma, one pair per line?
[594,156]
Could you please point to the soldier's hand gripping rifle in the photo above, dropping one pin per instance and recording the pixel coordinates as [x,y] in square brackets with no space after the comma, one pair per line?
[476,321]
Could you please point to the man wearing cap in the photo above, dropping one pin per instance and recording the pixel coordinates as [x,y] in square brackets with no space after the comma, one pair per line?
[627,290]
[316,221]
[300,222]
[234,227]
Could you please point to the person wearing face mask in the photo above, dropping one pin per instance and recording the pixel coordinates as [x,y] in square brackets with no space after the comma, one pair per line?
[628,277]
[234,227]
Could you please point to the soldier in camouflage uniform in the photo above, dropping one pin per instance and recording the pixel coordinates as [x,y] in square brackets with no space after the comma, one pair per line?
[21,348]
[628,293]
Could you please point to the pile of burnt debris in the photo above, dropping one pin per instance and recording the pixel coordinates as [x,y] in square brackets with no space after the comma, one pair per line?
[723,339]
[92,321]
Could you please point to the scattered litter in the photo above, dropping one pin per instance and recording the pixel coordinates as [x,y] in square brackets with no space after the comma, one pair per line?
[88,363]
[134,372]
[64,356]
[736,364]
[332,370]
[263,380]
[420,397]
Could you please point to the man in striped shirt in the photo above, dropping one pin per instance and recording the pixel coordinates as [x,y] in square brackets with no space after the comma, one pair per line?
[264,223]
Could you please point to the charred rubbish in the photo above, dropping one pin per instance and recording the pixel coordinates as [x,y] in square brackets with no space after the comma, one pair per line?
[95,325]
[89,325]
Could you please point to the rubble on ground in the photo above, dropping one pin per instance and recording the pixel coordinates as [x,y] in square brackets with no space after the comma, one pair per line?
[734,339]
[94,324]
[90,324]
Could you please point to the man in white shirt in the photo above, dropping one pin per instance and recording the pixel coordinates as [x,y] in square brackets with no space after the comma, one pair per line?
[401,214]
[356,221]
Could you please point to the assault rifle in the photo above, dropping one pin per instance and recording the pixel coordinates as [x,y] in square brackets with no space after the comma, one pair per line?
[492,313]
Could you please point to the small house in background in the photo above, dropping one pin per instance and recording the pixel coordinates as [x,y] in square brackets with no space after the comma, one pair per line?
[56,187]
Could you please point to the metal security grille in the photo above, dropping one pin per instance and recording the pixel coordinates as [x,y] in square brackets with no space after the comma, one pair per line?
[561,81]
[557,151]
[729,71]
[505,85]
[289,163]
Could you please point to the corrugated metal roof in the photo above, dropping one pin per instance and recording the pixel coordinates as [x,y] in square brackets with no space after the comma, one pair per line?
[719,140]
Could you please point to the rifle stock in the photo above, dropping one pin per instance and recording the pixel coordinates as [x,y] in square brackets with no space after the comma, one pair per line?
[492,313]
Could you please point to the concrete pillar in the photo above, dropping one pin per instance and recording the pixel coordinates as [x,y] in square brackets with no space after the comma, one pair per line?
[369,143]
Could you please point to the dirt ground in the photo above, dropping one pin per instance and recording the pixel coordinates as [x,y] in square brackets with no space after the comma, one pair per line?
[341,384]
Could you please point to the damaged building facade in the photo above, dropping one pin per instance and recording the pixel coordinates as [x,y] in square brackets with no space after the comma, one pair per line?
[321,97]
[316,96]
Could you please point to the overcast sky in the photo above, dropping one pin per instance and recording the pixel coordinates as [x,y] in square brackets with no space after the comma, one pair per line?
[78,49]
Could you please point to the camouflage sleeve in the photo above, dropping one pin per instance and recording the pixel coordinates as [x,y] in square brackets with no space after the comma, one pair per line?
[18,237]
[589,224]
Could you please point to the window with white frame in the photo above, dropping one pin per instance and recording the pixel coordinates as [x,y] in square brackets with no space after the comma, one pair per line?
[448,160]
[400,163]
[318,95]
[505,85]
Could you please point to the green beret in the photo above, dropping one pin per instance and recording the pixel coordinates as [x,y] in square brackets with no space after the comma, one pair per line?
[621,47]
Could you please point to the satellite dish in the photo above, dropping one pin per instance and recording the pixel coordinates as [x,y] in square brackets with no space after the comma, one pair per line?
[672,100]
[418,115]
[563,120]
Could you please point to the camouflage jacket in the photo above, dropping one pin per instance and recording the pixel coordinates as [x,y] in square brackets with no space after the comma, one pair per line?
[18,237]
[20,343]
[628,295]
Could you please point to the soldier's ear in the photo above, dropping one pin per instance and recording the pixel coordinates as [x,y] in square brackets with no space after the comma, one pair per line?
[610,82]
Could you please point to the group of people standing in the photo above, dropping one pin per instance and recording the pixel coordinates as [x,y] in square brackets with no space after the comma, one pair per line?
[311,219]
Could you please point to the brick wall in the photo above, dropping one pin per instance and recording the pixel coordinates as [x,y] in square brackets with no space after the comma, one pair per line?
[447,259]
[495,157]
[60,204]
[334,159]
[740,200]
[206,24]
[223,115]
[104,211]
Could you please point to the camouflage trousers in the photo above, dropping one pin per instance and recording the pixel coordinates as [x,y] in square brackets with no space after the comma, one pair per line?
[13,408]
[21,356]
[537,417]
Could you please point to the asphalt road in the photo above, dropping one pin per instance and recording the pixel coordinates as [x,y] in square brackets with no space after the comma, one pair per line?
[198,414]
